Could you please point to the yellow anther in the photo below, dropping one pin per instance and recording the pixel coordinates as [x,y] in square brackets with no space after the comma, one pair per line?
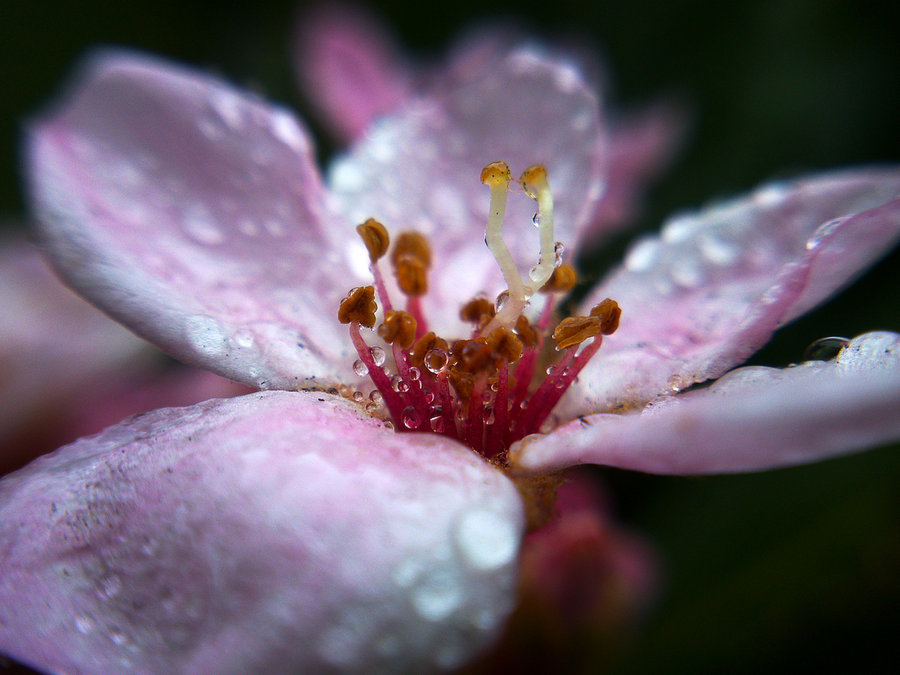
[411,276]
[505,345]
[375,237]
[574,330]
[609,312]
[496,173]
[359,305]
[412,244]
[561,281]
[399,328]
[533,180]
[478,311]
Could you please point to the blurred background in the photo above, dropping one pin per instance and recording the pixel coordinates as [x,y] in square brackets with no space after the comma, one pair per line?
[790,571]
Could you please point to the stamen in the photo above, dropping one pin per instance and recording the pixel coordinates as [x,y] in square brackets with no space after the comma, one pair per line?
[609,312]
[562,280]
[534,182]
[359,306]
[467,391]
[574,330]
[375,237]
[399,328]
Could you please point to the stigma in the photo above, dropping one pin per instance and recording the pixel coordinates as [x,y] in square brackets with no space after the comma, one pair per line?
[501,382]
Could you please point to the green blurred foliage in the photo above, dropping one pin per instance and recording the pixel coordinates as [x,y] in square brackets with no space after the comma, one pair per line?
[790,571]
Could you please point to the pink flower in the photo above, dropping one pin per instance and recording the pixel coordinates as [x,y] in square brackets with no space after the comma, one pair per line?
[292,529]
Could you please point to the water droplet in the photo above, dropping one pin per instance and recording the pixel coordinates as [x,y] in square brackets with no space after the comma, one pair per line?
[199,225]
[227,105]
[286,130]
[378,355]
[717,250]
[248,227]
[559,249]
[360,368]
[501,300]
[643,255]
[687,273]
[210,129]
[414,374]
[244,339]
[375,396]
[84,624]
[110,585]
[437,424]
[358,396]
[274,227]
[486,539]
[535,273]
[437,596]
[823,232]
[436,360]
[411,417]
[825,349]
[117,636]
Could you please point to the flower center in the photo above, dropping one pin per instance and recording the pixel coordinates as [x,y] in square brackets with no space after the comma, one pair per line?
[494,387]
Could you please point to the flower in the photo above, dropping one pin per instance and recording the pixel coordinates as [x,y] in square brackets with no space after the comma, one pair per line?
[293,530]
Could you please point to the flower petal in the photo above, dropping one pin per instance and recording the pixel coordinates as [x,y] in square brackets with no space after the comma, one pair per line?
[713,287]
[275,532]
[752,419]
[193,214]
[52,343]
[349,68]
[419,170]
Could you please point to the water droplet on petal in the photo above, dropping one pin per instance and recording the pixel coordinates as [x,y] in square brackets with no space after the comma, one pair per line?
[437,596]
[360,368]
[200,226]
[486,539]
[825,349]
[536,219]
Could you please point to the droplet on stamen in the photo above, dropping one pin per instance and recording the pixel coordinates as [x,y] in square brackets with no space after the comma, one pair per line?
[360,368]
[378,355]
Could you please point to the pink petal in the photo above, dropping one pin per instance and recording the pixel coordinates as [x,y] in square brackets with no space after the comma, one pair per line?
[52,343]
[752,419]
[275,532]
[348,68]
[420,169]
[713,287]
[642,144]
[193,214]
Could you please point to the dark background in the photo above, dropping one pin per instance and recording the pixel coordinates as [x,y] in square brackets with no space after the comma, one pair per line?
[793,570]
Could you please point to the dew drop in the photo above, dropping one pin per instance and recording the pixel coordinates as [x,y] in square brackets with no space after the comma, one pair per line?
[84,624]
[414,374]
[559,249]
[285,129]
[535,273]
[360,368]
[358,396]
[825,349]
[110,585]
[486,539]
[244,339]
[375,397]
[436,360]
[411,417]
[437,424]
[199,225]
[437,596]
[536,219]
[378,355]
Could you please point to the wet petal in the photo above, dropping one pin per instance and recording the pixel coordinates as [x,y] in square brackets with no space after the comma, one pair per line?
[192,213]
[713,287]
[420,169]
[642,145]
[752,419]
[275,532]
[52,343]
[348,67]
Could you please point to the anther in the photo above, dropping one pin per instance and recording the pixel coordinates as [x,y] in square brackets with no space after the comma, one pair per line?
[574,330]
[399,328]
[375,237]
[411,276]
[413,245]
[527,334]
[505,345]
[562,280]
[478,311]
[609,312]
[359,306]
